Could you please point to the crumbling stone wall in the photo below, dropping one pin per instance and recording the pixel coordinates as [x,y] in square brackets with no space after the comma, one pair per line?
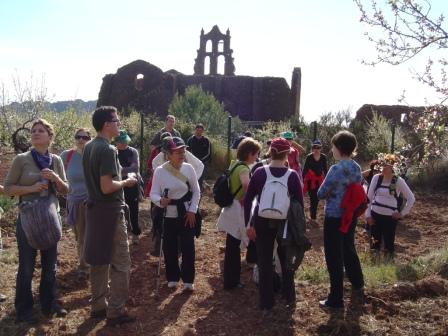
[390,112]
[250,98]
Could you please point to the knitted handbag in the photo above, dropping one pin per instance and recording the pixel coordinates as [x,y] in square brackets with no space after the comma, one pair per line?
[41,223]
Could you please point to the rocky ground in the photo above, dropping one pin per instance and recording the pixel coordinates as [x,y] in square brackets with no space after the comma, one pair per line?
[413,308]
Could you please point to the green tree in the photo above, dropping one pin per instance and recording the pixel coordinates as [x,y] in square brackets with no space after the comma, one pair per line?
[379,136]
[197,106]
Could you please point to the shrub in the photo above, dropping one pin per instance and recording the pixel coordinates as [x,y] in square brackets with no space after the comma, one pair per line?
[196,106]
[379,136]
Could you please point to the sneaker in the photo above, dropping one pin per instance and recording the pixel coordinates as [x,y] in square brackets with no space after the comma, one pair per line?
[188,286]
[122,319]
[2,298]
[98,314]
[172,284]
[326,305]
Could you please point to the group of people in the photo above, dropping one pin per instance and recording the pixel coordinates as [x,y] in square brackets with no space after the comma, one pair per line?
[249,222]
[101,181]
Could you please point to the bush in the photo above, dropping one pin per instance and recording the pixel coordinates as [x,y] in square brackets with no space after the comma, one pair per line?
[379,136]
[65,124]
[7,203]
[196,106]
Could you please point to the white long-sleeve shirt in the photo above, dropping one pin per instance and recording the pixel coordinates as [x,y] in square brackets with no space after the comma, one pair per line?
[197,164]
[163,179]
[383,196]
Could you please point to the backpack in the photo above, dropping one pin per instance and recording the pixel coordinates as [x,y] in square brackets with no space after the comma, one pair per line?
[221,189]
[393,191]
[68,158]
[274,198]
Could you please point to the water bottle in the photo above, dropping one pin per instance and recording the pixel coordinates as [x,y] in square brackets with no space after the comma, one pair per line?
[44,193]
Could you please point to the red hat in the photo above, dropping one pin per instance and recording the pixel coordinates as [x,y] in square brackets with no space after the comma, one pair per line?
[280,145]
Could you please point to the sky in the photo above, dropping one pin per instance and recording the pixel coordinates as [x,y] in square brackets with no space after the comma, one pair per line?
[73,44]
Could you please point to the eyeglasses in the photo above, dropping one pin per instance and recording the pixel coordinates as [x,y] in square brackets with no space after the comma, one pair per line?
[83,137]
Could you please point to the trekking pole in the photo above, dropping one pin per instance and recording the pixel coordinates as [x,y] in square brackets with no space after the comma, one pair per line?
[162,233]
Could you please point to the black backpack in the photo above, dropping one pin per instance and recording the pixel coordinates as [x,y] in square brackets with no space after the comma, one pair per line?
[221,189]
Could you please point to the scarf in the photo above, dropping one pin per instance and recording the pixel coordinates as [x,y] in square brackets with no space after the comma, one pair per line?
[42,160]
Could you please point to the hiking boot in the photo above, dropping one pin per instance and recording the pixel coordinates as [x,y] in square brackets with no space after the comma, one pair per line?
[57,309]
[122,319]
[98,314]
[29,318]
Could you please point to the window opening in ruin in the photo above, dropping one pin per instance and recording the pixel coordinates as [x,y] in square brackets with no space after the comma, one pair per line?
[221,64]
[221,46]
[207,65]
[209,46]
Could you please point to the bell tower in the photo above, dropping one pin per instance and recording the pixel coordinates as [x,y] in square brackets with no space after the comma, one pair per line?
[220,46]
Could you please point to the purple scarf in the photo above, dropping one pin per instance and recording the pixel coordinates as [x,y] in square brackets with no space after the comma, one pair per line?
[42,160]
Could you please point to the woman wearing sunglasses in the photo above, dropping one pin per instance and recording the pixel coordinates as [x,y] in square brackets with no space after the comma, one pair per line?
[72,159]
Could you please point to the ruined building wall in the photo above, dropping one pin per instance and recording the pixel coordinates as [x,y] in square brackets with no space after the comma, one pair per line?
[250,98]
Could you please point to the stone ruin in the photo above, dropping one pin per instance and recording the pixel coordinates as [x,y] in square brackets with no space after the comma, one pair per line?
[394,113]
[250,98]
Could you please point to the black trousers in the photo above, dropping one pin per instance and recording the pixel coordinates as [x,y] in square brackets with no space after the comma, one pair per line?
[232,262]
[314,202]
[385,227]
[251,253]
[266,231]
[131,199]
[175,232]
[340,253]
[204,173]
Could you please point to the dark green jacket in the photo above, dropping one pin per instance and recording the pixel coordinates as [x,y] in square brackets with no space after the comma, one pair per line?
[295,242]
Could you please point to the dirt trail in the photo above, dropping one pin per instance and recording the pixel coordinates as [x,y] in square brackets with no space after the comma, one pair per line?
[210,310]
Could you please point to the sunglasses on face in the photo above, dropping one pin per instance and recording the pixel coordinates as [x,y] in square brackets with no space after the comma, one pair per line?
[83,137]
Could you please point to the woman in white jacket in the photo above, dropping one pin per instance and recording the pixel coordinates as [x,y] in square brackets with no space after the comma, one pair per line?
[175,188]
[384,209]
[231,219]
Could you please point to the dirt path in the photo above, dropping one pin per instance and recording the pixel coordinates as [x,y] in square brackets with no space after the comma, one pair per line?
[210,310]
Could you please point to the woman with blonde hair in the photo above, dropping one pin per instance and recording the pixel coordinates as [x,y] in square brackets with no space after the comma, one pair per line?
[231,219]
[33,176]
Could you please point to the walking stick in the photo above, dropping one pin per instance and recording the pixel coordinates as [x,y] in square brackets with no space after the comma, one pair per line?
[162,233]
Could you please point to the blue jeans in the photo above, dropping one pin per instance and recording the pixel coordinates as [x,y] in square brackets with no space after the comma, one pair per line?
[27,260]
